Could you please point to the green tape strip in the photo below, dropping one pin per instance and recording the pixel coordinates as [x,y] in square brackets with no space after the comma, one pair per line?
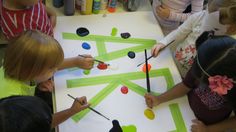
[178,118]
[74,83]
[121,53]
[73,36]
[96,100]
[136,88]
[101,47]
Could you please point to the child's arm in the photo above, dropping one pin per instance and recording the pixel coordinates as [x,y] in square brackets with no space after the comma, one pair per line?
[81,62]
[52,15]
[179,34]
[228,124]
[196,5]
[78,105]
[177,91]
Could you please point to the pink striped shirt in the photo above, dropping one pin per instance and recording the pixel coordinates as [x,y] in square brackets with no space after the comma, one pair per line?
[14,22]
[177,8]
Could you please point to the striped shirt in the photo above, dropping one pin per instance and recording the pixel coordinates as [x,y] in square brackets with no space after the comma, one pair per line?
[176,16]
[14,22]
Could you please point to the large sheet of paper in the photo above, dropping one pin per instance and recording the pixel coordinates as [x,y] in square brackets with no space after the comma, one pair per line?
[103,87]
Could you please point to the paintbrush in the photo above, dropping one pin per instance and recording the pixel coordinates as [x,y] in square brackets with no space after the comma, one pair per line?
[159,52]
[90,108]
[95,60]
[147,72]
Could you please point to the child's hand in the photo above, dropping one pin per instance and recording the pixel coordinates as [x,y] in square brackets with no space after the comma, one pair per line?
[53,20]
[46,86]
[151,100]
[52,16]
[85,62]
[156,48]
[198,126]
[79,104]
[163,11]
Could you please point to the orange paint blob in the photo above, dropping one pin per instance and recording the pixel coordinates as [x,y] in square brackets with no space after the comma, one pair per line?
[102,66]
[149,114]
[144,68]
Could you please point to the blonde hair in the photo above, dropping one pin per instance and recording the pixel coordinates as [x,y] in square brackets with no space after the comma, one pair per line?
[30,55]
[228,11]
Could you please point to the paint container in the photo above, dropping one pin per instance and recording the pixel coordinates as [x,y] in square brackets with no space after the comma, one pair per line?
[78,4]
[111,6]
[86,7]
[69,7]
[104,4]
[96,6]
[57,3]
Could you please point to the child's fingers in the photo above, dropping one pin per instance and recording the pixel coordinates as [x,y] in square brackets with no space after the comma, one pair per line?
[156,50]
[148,100]
[82,100]
[153,50]
[159,9]
[84,106]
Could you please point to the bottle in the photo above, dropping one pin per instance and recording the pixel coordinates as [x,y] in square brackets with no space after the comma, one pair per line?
[111,6]
[96,6]
[69,7]
[78,4]
[104,4]
[86,7]
[57,3]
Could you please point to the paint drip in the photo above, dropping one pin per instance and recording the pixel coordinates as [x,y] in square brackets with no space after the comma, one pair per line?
[102,66]
[116,127]
[82,31]
[86,72]
[114,31]
[130,128]
[144,68]
[149,114]
[124,90]
[131,54]
[86,46]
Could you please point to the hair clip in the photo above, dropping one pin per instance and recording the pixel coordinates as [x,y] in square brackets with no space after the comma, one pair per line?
[218,83]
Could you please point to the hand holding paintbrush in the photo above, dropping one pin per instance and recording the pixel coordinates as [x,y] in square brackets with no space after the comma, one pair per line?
[88,106]
[79,104]
[99,61]
[156,50]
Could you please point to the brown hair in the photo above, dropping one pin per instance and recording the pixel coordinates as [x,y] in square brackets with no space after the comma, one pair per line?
[30,55]
[228,14]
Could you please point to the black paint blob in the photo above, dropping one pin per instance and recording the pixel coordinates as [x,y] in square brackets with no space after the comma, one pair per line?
[82,31]
[125,35]
[131,54]
[116,127]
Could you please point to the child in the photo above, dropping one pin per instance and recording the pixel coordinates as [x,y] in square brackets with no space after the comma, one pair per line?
[33,57]
[18,16]
[210,86]
[21,15]
[219,18]
[24,114]
[169,13]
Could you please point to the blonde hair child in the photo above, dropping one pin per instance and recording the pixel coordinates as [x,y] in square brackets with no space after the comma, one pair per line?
[34,56]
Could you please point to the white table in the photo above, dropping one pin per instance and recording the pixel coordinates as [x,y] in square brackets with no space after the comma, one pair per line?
[102,88]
